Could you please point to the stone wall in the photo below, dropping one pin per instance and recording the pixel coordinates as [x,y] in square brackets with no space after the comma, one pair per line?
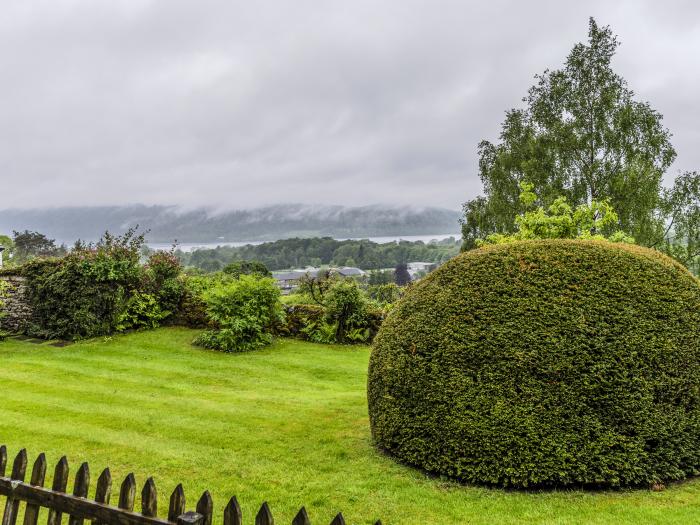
[17,311]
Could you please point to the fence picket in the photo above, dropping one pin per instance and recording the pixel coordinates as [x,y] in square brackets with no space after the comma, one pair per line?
[149,499]
[31,513]
[60,483]
[177,503]
[264,516]
[80,507]
[302,518]
[3,460]
[338,520]
[127,493]
[103,491]
[205,506]
[232,513]
[19,469]
[80,489]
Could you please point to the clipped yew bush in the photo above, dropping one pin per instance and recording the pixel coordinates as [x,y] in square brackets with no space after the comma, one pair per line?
[544,363]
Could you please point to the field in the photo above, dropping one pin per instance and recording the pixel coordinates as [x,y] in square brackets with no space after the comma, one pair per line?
[287,424]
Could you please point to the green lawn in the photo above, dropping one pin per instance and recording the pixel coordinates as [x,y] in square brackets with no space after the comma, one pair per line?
[287,424]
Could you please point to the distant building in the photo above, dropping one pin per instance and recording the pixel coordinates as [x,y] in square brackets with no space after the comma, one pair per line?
[288,280]
[349,271]
[419,269]
[422,266]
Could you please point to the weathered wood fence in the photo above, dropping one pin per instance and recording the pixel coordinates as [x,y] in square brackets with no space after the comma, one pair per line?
[78,507]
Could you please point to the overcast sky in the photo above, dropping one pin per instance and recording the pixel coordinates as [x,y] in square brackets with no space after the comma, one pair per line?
[237,104]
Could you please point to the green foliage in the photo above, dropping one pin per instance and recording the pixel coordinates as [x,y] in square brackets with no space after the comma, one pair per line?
[192,310]
[681,239]
[541,363]
[9,246]
[584,137]
[28,245]
[85,293]
[3,290]
[245,310]
[384,294]
[560,221]
[143,311]
[296,253]
[316,286]
[297,317]
[162,279]
[346,308]
[379,277]
[238,268]
[311,322]
[101,288]
[319,331]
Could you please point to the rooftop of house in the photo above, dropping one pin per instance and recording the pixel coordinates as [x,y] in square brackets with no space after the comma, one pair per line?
[349,271]
[298,273]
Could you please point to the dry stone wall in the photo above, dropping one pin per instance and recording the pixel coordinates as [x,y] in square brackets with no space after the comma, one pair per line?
[15,312]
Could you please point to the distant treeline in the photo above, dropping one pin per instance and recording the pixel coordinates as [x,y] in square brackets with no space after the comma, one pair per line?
[296,253]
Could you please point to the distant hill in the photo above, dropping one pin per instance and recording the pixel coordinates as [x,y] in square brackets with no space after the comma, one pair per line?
[167,223]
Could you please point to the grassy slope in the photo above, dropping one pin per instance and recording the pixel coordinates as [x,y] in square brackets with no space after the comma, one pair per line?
[287,424]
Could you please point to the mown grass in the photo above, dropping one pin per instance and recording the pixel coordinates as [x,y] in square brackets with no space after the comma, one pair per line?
[287,424]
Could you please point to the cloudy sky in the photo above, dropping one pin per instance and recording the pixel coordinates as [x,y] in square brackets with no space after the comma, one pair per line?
[237,104]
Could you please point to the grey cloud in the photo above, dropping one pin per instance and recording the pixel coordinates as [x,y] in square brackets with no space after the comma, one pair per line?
[238,104]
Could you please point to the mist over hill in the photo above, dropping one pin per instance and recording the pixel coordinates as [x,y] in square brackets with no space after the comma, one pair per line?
[169,223]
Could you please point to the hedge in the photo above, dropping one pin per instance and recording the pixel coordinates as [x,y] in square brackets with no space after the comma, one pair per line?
[544,363]
[299,318]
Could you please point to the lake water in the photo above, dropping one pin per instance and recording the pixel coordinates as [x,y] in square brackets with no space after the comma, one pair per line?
[191,246]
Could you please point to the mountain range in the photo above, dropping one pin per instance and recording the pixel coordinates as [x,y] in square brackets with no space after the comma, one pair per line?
[166,224]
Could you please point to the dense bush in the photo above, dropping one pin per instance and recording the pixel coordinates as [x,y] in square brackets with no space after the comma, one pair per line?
[163,281]
[192,310]
[385,294]
[309,322]
[544,363]
[245,310]
[85,293]
[142,310]
[346,309]
[102,288]
[349,313]
[299,316]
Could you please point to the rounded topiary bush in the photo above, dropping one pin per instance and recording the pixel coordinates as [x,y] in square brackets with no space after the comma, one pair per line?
[543,363]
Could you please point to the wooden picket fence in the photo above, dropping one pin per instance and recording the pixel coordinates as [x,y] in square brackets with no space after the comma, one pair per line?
[78,507]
